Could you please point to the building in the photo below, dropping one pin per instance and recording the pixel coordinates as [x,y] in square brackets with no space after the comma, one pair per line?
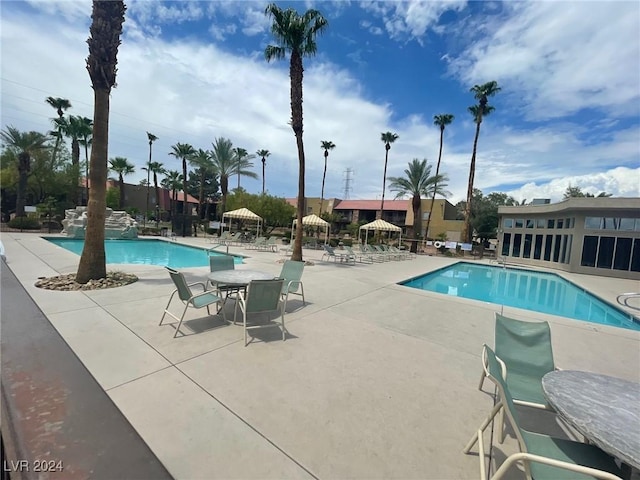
[594,236]
[135,196]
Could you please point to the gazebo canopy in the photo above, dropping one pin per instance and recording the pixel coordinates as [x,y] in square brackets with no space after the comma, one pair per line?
[380,225]
[312,221]
[243,214]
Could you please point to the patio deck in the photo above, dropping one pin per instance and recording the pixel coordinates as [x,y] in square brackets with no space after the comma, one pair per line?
[375,380]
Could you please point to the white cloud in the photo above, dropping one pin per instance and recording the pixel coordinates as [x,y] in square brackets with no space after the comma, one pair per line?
[560,56]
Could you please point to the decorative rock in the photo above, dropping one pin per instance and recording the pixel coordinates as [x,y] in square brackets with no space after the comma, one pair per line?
[68,283]
[117,225]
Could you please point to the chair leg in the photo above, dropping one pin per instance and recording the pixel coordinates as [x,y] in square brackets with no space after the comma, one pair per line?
[485,424]
[482,377]
[501,426]
[166,308]
[180,322]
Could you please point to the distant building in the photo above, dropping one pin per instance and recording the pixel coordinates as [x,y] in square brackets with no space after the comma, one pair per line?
[135,196]
[594,236]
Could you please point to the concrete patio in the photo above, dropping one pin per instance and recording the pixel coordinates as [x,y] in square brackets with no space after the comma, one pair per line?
[375,380]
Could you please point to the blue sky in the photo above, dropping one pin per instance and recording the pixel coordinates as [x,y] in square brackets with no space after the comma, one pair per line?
[568,112]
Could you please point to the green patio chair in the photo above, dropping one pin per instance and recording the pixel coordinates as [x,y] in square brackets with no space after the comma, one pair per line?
[262,297]
[291,273]
[525,349]
[223,262]
[188,298]
[542,456]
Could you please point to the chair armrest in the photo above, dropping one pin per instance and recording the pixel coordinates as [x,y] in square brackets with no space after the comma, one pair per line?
[197,283]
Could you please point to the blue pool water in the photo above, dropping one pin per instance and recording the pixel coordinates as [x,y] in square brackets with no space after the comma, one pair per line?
[536,291]
[146,252]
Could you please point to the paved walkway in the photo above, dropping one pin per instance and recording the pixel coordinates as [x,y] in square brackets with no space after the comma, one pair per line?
[375,380]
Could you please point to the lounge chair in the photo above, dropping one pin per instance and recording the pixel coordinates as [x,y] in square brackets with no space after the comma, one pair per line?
[362,257]
[543,457]
[188,298]
[263,296]
[331,254]
[525,349]
[256,244]
[291,273]
[269,245]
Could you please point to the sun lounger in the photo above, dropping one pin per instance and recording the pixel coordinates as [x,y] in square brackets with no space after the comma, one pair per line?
[331,254]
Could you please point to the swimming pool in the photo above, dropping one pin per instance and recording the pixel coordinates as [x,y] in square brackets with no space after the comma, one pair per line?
[535,291]
[146,252]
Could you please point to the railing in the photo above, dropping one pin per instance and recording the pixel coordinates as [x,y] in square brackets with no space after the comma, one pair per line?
[623,299]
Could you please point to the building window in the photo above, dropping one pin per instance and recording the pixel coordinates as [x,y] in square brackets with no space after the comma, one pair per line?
[623,254]
[519,223]
[563,255]
[506,244]
[530,223]
[589,250]
[560,223]
[526,253]
[541,222]
[570,242]
[605,252]
[568,223]
[537,249]
[635,256]
[592,223]
[611,223]
[548,242]
[556,248]
[507,223]
[551,223]
[517,239]
[627,224]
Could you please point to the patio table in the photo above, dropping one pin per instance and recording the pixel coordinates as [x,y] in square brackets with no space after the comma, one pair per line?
[606,410]
[238,277]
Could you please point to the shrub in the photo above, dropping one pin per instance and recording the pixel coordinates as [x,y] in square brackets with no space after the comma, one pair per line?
[24,223]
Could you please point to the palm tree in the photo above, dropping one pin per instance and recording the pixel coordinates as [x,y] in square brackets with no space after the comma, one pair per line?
[60,105]
[24,144]
[223,158]
[104,40]
[202,159]
[418,182]
[387,138]
[295,34]
[86,132]
[75,128]
[172,181]
[152,138]
[441,121]
[481,93]
[122,167]
[263,154]
[183,151]
[243,164]
[326,145]
[156,168]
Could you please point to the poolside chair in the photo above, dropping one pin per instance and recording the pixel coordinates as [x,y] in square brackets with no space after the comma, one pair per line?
[363,257]
[331,254]
[291,273]
[257,243]
[525,349]
[263,296]
[223,262]
[188,298]
[543,457]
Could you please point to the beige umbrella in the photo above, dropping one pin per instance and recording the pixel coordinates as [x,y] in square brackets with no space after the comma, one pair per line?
[312,221]
[380,225]
[243,214]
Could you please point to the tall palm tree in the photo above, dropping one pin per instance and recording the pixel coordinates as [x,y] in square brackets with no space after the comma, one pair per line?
[183,151]
[418,182]
[202,159]
[296,34]
[24,144]
[479,111]
[122,167]
[156,168]
[104,40]
[387,138]
[263,154]
[152,138]
[223,158]
[326,145]
[86,132]
[243,164]
[441,121]
[172,181]
[60,105]
[75,128]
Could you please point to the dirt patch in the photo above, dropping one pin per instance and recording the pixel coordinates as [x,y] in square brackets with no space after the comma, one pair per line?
[67,283]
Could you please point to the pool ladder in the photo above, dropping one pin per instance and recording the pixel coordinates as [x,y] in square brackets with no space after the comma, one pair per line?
[623,299]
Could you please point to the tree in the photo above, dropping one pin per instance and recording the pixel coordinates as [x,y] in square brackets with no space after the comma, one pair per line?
[152,138]
[106,27]
[76,128]
[183,151]
[60,105]
[481,93]
[223,159]
[243,164]
[417,183]
[296,34]
[326,146]
[387,138]
[275,211]
[441,121]
[202,159]
[86,133]
[573,192]
[172,181]
[156,168]
[24,145]
[122,167]
[263,154]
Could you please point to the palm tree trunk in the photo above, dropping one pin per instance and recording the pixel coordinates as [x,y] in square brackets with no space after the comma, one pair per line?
[435,185]
[224,188]
[324,174]
[184,193]
[263,162]
[93,260]
[24,167]
[155,184]
[384,181]
[86,170]
[416,203]
[467,233]
[75,159]
[201,204]
[296,74]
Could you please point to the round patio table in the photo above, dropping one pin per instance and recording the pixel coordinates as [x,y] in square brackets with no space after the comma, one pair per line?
[238,277]
[604,409]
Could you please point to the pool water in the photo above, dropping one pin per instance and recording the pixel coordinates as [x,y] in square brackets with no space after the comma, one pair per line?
[146,252]
[526,289]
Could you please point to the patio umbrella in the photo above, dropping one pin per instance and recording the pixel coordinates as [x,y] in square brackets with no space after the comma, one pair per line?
[312,221]
[242,214]
[380,225]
